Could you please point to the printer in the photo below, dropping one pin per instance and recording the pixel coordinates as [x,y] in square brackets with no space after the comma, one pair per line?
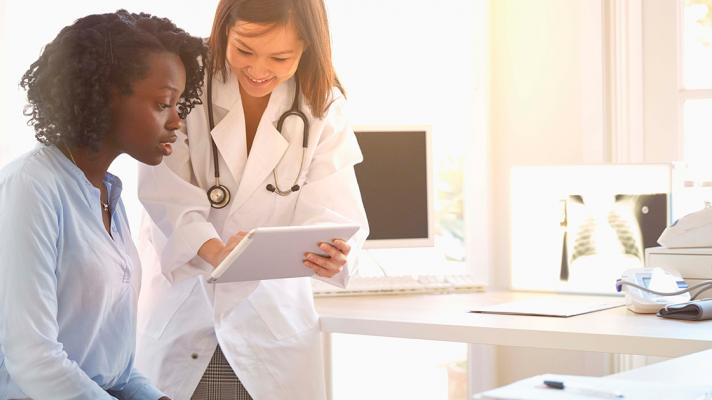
[686,247]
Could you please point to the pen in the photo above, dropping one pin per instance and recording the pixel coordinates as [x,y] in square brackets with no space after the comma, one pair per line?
[604,394]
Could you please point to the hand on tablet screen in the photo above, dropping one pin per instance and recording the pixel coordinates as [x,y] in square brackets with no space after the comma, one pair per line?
[214,250]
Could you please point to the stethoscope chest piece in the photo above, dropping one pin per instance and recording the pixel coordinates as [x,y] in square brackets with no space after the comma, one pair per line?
[218,196]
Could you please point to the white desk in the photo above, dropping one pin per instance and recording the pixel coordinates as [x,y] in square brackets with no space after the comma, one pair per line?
[445,317]
[693,369]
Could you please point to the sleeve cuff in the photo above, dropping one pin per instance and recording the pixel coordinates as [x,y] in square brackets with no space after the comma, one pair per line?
[142,391]
[183,246]
[138,388]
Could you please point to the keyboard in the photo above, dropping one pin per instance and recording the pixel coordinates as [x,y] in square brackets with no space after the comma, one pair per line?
[403,284]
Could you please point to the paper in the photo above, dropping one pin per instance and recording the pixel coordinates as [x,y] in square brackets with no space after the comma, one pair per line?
[552,306]
[580,387]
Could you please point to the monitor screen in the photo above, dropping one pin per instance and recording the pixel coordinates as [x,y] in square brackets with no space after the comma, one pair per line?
[394,179]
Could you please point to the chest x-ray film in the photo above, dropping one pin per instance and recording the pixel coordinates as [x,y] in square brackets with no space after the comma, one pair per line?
[577,228]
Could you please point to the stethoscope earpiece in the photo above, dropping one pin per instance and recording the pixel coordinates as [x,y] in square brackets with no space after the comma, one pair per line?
[271,188]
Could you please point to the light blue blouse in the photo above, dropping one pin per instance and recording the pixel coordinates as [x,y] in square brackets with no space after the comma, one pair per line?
[68,289]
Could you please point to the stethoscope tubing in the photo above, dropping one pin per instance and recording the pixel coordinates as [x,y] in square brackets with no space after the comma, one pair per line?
[223,195]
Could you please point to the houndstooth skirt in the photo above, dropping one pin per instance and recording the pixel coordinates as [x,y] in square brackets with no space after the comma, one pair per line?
[219,381]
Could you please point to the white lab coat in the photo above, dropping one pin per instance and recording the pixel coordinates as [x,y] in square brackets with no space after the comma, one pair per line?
[268,330]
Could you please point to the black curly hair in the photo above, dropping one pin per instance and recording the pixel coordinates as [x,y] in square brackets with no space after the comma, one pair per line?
[69,86]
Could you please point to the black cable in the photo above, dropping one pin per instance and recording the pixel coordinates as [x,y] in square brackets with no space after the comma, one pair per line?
[211,123]
[689,289]
[694,297]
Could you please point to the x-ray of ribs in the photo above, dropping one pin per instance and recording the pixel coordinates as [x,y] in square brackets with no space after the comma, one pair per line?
[621,219]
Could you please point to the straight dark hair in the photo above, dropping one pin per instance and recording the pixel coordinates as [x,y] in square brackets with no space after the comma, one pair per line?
[315,72]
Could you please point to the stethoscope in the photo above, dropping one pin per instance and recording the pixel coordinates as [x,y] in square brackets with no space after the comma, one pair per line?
[219,195]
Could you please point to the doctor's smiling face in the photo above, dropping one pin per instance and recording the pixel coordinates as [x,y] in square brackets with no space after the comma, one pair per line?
[144,120]
[262,56]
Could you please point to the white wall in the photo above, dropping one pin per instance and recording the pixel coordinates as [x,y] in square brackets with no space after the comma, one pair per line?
[542,95]
[661,111]
[411,62]
[547,88]
[407,62]
[33,23]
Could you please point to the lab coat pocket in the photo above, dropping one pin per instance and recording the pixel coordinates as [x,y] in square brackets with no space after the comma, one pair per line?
[286,306]
[168,303]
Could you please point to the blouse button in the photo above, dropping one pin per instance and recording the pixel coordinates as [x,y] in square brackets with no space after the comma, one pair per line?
[194,356]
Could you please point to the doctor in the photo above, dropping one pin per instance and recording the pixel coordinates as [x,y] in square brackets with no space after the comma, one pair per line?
[269,146]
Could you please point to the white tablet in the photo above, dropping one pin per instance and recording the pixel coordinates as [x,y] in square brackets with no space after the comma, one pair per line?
[277,252]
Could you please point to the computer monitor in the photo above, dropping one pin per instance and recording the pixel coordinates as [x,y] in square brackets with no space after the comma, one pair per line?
[576,228]
[395,179]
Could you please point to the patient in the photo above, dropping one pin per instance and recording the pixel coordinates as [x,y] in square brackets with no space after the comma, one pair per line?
[69,277]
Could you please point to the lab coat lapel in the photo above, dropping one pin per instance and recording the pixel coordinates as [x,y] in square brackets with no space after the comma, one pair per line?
[229,137]
[229,133]
[267,148]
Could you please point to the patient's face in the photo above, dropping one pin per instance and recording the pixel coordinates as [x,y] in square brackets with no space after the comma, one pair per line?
[143,122]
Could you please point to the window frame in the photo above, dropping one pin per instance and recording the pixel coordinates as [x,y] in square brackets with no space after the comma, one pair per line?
[665,94]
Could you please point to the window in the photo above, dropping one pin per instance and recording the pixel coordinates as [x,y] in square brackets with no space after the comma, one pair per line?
[678,96]
[696,79]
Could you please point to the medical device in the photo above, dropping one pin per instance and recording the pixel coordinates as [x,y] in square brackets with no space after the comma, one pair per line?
[219,195]
[691,231]
[649,289]
[693,264]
